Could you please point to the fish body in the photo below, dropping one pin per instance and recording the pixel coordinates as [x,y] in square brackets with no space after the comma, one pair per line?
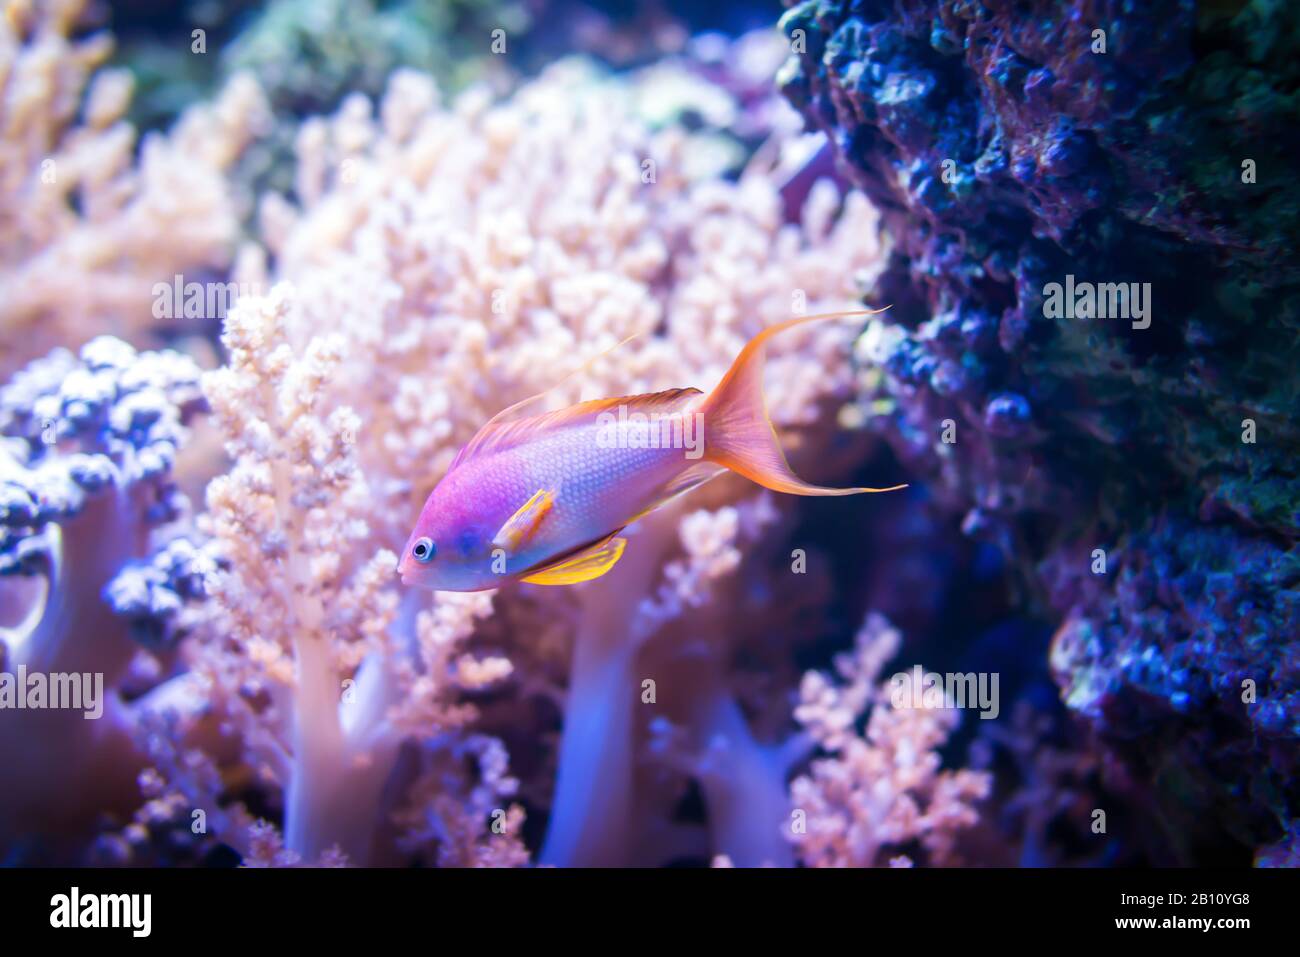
[597,485]
[541,498]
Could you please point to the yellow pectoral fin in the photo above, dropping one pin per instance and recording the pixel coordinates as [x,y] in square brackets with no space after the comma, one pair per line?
[522,525]
[582,567]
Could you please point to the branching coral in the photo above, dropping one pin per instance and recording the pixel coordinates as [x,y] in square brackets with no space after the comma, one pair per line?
[467,819]
[304,674]
[291,517]
[878,793]
[85,231]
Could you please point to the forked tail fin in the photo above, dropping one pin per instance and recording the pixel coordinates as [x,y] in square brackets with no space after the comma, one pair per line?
[737,431]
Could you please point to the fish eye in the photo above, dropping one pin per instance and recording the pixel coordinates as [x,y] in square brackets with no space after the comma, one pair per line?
[423,550]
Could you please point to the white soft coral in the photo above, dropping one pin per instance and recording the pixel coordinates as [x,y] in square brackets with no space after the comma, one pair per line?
[875,792]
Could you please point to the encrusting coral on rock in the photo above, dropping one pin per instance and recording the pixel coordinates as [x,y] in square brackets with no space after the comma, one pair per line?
[1092,348]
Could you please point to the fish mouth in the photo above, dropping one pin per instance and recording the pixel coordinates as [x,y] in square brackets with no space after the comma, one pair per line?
[406,574]
[412,578]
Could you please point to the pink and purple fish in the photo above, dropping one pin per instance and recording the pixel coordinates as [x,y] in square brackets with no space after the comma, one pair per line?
[543,498]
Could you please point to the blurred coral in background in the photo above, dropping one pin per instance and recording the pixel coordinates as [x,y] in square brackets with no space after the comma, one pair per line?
[89,226]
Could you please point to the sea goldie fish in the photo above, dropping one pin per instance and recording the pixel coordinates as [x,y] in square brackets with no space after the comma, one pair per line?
[543,498]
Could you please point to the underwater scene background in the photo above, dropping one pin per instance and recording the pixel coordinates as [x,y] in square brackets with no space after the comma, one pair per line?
[266,268]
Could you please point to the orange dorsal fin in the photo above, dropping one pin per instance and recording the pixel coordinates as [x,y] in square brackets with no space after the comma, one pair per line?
[738,432]
[501,416]
[496,436]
